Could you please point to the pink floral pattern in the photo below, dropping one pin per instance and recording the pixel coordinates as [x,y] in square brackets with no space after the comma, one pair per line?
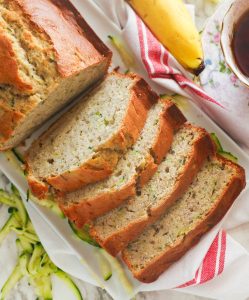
[217,38]
[221,66]
[234,79]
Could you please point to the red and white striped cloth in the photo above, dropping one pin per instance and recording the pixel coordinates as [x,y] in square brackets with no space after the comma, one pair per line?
[213,263]
[160,63]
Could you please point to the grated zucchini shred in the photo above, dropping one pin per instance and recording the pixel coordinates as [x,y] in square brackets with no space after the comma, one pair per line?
[33,261]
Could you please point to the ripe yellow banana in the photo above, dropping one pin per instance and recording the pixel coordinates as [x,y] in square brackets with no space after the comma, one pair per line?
[172,24]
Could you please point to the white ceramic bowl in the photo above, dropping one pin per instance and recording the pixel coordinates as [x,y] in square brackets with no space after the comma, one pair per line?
[236,10]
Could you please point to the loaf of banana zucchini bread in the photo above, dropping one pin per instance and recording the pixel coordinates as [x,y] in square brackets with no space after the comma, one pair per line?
[48,56]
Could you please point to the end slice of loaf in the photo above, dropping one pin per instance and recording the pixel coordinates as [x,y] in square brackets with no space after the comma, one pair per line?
[84,145]
[190,148]
[203,205]
[133,170]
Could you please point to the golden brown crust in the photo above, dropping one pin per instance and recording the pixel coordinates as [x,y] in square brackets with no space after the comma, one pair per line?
[172,121]
[103,163]
[38,188]
[146,172]
[95,169]
[8,65]
[9,119]
[94,207]
[63,25]
[89,209]
[116,242]
[151,272]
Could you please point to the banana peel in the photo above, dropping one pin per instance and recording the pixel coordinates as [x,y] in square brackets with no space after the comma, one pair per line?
[172,24]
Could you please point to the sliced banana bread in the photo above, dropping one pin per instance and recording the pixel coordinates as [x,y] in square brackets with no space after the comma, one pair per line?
[134,169]
[203,205]
[84,145]
[190,148]
[49,55]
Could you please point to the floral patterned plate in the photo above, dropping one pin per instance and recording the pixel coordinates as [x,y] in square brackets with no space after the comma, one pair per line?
[221,83]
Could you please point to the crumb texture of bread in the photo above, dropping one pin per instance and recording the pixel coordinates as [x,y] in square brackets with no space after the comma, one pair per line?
[46,60]
[191,146]
[133,170]
[84,145]
[207,199]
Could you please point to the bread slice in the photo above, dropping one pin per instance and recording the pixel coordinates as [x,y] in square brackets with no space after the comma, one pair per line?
[190,148]
[49,55]
[134,169]
[203,205]
[84,145]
